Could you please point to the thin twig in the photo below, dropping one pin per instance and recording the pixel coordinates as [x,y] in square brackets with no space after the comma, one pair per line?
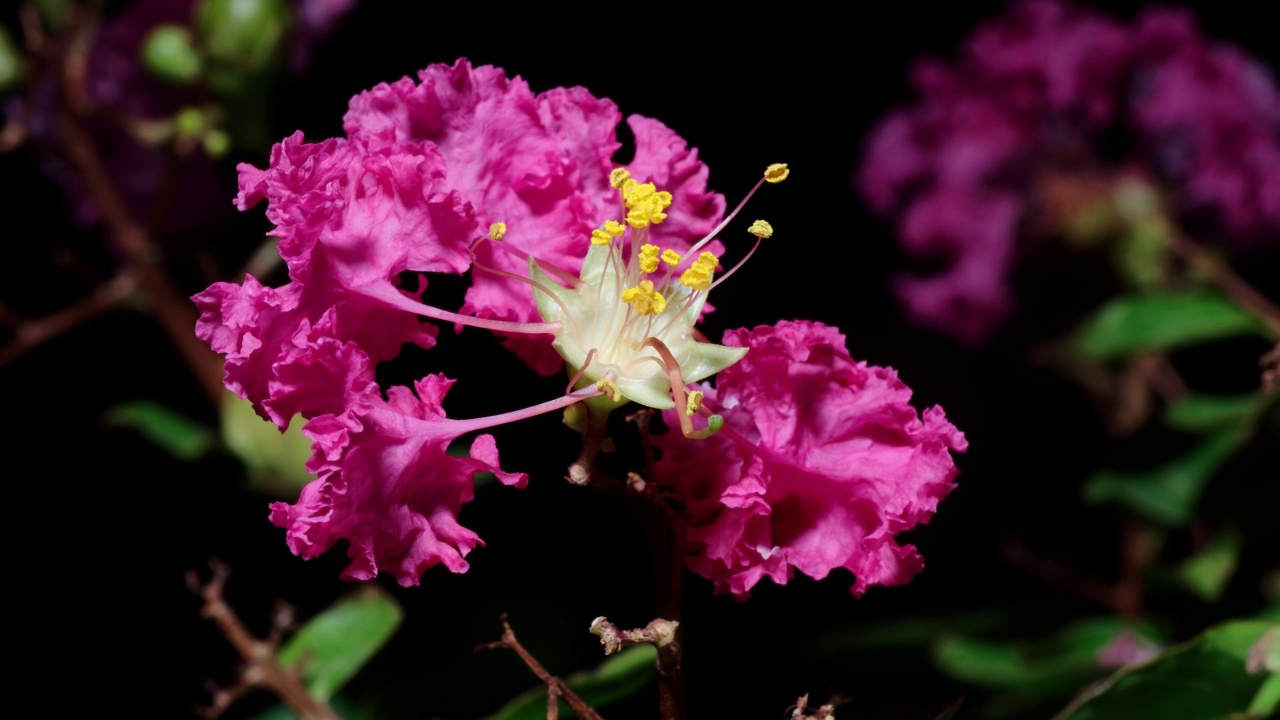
[1228,281]
[554,684]
[30,334]
[176,315]
[261,666]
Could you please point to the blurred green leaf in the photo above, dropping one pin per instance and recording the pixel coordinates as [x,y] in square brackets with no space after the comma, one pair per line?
[1207,572]
[1057,665]
[1197,413]
[168,53]
[10,61]
[276,461]
[177,434]
[1203,679]
[53,13]
[1167,493]
[1162,321]
[335,644]
[243,40]
[617,678]
[1268,698]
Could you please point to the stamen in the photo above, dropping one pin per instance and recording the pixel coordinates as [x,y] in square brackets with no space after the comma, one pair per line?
[761,229]
[695,402]
[578,375]
[775,173]
[546,407]
[610,388]
[739,264]
[551,268]
[535,285]
[394,299]
[714,422]
[497,230]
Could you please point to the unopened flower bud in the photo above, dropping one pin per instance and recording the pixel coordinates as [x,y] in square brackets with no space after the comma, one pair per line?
[169,53]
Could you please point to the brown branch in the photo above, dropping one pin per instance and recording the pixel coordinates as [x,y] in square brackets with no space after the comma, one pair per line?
[30,334]
[175,314]
[1056,574]
[261,666]
[1231,284]
[555,686]
[663,635]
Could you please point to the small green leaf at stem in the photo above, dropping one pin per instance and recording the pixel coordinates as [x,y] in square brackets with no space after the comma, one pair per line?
[1163,321]
[177,434]
[334,645]
[1167,493]
[1206,573]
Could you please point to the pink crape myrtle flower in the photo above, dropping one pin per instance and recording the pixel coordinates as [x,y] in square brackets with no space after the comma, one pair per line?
[602,269]
[820,463]
[1036,91]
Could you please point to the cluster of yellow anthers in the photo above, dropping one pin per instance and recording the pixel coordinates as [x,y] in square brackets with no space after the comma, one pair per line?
[698,276]
[626,323]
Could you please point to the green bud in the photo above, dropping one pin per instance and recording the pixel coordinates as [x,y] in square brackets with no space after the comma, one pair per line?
[10,62]
[243,37]
[167,52]
[216,143]
[189,122]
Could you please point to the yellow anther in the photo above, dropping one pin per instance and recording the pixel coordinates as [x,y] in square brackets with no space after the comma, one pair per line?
[636,193]
[497,230]
[614,228]
[671,257]
[697,277]
[610,388]
[648,258]
[600,237]
[694,402]
[761,229]
[707,258]
[617,177]
[644,299]
[776,172]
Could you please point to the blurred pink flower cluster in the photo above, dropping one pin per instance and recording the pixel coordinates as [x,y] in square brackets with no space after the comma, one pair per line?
[427,168]
[1052,83]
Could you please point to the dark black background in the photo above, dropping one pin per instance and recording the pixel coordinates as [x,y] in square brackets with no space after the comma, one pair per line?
[103,526]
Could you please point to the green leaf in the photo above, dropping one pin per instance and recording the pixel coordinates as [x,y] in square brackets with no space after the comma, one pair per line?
[1199,413]
[277,462]
[1162,321]
[1058,664]
[617,678]
[177,434]
[1267,699]
[243,40]
[1203,679]
[11,65]
[1167,493]
[335,644]
[1207,572]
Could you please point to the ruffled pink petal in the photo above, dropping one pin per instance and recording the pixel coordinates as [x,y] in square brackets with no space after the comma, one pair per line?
[824,462]
[388,487]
